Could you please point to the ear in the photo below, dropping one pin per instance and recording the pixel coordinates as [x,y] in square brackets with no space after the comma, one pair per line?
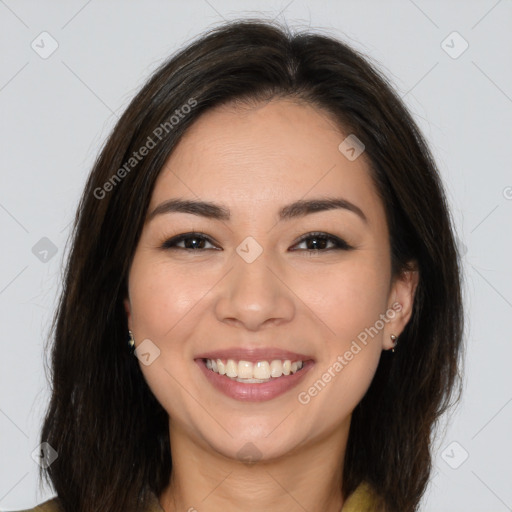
[128,309]
[401,301]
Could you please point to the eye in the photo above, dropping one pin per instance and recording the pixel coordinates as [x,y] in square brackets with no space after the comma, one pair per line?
[190,241]
[318,242]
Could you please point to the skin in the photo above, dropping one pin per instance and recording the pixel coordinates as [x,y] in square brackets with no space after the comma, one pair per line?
[254,160]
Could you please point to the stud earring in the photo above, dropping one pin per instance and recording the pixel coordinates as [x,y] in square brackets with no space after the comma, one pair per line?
[393,339]
[131,342]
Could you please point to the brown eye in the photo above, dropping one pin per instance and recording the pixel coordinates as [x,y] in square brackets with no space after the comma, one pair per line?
[319,242]
[190,241]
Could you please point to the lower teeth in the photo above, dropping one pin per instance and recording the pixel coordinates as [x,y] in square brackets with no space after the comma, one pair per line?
[249,381]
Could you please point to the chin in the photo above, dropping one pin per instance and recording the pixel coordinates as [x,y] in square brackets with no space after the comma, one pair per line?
[252,446]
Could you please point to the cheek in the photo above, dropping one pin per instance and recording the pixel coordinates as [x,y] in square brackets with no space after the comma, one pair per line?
[339,387]
[163,299]
[349,303]
[162,296]
[348,299]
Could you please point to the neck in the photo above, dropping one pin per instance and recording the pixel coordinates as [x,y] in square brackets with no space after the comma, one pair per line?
[308,479]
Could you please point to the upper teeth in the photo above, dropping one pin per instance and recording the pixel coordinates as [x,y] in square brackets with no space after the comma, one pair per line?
[260,370]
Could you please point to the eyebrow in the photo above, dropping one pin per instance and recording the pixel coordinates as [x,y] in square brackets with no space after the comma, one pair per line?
[294,210]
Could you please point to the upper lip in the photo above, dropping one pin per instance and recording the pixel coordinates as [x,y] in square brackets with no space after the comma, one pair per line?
[254,354]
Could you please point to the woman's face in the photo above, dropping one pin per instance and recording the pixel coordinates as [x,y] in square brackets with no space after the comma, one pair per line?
[264,285]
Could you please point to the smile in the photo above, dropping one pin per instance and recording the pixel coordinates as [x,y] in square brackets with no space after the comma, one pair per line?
[246,371]
[254,381]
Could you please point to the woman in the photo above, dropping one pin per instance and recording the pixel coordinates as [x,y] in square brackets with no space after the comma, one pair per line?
[267,228]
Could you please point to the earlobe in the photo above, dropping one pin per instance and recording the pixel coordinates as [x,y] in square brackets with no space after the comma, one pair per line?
[401,300]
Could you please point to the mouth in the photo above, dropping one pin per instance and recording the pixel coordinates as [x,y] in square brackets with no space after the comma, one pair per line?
[251,377]
[253,373]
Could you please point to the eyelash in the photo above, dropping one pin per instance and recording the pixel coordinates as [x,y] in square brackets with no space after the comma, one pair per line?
[339,244]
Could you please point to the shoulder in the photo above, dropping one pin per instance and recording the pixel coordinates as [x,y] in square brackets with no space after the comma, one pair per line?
[51,505]
[363,499]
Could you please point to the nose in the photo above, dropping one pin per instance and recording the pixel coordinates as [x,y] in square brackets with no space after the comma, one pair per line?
[254,296]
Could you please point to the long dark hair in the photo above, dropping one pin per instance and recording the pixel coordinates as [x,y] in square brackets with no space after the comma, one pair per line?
[110,432]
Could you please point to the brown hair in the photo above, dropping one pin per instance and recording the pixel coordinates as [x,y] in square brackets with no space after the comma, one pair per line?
[110,432]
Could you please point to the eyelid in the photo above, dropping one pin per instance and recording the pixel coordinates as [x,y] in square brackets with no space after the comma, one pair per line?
[339,243]
[183,236]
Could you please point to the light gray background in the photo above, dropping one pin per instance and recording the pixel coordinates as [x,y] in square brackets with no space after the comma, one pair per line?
[56,112]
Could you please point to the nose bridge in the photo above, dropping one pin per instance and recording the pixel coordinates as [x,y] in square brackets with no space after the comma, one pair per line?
[253,293]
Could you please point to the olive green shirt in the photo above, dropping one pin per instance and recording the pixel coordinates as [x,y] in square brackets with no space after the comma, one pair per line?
[359,501]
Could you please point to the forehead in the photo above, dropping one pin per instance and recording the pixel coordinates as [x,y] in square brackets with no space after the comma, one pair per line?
[277,151]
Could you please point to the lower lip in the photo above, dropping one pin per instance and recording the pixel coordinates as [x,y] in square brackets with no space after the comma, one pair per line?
[254,392]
